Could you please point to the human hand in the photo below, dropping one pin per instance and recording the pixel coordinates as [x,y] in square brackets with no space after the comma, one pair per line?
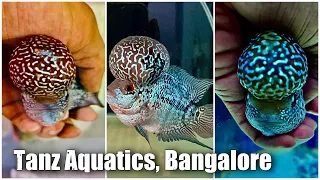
[300,19]
[75,25]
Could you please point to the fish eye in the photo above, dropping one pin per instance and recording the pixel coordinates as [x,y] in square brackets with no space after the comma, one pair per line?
[130,88]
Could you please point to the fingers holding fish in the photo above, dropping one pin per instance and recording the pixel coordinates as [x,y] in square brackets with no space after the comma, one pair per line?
[291,139]
[281,141]
[312,107]
[51,131]
[305,130]
[84,114]
[25,124]
[310,89]
[69,131]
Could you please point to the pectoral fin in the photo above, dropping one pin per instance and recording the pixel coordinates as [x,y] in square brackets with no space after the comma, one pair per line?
[143,133]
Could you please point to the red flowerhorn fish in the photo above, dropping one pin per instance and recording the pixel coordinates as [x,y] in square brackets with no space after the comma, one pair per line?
[43,68]
[166,108]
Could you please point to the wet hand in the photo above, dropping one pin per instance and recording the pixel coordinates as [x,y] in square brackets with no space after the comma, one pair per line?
[75,25]
[229,45]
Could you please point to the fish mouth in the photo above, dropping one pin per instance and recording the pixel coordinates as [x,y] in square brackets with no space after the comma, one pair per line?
[112,101]
[117,109]
[45,118]
[111,93]
[122,111]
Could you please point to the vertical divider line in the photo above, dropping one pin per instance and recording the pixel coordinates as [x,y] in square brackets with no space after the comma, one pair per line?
[214,79]
[106,81]
[1,91]
[318,93]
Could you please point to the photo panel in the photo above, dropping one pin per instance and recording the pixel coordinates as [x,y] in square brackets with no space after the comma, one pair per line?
[192,89]
[266,86]
[53,88]
[160,86]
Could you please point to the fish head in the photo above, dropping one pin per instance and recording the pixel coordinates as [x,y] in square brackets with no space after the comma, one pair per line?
[121,94]
[276,116]
[45,110]
[125,101]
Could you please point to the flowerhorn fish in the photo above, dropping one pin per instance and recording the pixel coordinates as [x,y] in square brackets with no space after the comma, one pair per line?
[273,68]
[166,105]
[44,70]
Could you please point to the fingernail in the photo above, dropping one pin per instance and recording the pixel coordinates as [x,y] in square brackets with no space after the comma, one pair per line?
[301,141]
[30,126]
[315,127]
[52,132]
[35,128]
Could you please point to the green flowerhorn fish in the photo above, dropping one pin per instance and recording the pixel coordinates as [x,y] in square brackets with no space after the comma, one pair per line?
[166,108]
[273,68]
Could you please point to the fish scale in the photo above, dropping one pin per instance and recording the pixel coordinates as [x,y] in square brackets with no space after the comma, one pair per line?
[176,101]
[273,68]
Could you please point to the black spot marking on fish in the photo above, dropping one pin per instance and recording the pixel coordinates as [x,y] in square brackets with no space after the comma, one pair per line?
[294,102]
[197,113]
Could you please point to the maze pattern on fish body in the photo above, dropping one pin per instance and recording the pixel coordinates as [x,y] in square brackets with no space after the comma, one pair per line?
[42,66]
[139,59]
[272,66]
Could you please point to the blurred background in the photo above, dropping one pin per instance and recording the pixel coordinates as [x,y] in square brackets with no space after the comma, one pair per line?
[186,31]
[92,139]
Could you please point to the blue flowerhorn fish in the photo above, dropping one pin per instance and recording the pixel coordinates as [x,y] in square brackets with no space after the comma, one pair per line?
[273,68]
[167,108]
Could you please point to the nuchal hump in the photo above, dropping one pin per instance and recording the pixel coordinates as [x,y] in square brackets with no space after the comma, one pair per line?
[42,66]
[139,59]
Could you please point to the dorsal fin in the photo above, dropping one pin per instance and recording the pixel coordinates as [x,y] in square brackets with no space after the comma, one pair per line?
[196,87]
